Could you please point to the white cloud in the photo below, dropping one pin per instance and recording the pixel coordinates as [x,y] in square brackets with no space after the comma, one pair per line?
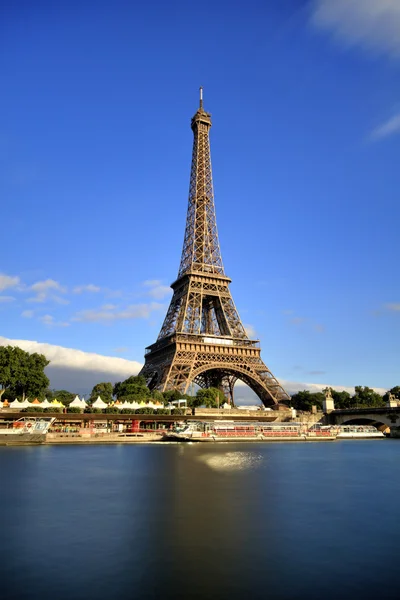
[8,281]
[105,315]
[27,314]
[76,370]
[156,289]
[79,289]
[79,371]
[47,319]
[44,286]
[7,299]
[44,291]
[389,127]
[372,24]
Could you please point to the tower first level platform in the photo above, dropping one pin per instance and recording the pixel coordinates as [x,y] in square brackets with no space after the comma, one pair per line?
[180,359]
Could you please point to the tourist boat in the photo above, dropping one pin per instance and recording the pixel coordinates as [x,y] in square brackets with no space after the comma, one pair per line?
[358,431]
[233,431]
[26,430]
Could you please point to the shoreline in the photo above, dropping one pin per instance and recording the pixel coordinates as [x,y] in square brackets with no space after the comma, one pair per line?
[156,439]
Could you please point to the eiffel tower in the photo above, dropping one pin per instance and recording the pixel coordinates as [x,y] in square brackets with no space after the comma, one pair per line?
[202,339]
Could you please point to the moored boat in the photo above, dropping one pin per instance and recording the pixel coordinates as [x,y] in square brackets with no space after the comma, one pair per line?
[26,430]
[358,431]
[233,431]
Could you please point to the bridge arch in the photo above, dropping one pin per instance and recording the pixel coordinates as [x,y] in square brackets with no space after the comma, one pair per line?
[380,425]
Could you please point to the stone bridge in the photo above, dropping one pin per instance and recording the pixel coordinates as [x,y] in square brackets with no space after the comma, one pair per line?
[378,417]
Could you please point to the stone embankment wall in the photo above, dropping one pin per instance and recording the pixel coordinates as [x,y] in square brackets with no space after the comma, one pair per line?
[394,431]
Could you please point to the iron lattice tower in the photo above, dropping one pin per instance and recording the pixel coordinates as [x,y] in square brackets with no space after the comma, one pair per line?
[202,339]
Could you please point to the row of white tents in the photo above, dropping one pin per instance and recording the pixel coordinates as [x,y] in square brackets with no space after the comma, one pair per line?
[18,404]
[81,403]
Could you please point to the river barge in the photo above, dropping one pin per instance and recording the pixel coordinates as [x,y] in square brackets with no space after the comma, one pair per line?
[229,431]
[26,431]
[364,432]
[224,431]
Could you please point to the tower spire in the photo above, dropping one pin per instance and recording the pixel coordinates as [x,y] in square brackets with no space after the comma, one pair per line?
[201,251]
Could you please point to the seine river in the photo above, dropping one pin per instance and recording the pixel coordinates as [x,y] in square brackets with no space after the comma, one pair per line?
[238,521]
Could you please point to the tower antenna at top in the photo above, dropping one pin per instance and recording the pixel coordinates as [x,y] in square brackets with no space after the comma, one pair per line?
[201,96]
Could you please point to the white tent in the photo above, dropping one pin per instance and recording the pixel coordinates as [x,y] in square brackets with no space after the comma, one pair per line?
[16,404]
[125,405]
[99,403]
[26,404]
[78,403]
[45,403]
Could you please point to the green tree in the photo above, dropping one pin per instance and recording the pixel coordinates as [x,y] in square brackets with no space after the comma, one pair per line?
[172,395]
[365,396]
[157,396]
[395,391]
[305,400]
[133,389]
[21,372]
[104,390]
[209,397]
[63,396]
[341,399]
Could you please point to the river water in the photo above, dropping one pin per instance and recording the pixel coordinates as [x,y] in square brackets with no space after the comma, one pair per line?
[279,521]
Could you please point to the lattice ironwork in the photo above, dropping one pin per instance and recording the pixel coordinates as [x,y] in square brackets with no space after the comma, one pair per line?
[202,339]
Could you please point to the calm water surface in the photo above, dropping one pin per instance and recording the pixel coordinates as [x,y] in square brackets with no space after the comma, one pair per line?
[300,520]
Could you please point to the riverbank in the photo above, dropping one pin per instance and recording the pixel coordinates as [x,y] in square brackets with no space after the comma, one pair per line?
[70,439]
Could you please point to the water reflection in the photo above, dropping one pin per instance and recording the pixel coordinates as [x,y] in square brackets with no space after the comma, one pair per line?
[232,461]
[228,521]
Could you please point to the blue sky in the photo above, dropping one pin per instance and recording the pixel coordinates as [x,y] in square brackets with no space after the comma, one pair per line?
[95,150]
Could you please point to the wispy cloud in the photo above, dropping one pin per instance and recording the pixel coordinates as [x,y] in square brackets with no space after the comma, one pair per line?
[8,281]
[80,289]
[51,321]
[393,307]
[389,127]
[7,299]
[27,314]
[298,321]
[371,24]
[102,315]
[121,350]
[48,290]
[156,289]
